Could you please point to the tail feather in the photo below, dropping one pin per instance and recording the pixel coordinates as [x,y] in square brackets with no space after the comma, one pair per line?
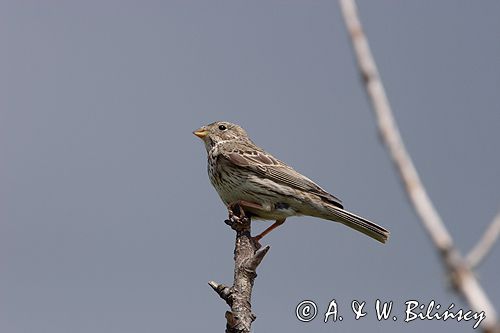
[358,223]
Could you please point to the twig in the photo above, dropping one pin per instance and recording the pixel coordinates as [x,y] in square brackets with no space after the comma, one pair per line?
[247,256]
[463,279]
[483,247]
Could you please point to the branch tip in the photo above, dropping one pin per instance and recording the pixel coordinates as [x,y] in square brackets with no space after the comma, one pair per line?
[256,259]
[222,290]
[485,244]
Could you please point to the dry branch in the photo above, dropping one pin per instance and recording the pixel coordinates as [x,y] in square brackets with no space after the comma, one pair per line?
[483,247]
[247,256]
[463,278]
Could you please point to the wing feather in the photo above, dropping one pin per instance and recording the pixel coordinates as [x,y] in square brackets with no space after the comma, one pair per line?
[265,165]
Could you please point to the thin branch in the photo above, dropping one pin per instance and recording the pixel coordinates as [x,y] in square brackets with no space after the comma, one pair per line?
[247,257]
[464,281]
[483,247]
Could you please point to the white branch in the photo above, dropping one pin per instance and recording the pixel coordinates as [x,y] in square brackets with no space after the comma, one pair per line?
[464,280]
[483,247]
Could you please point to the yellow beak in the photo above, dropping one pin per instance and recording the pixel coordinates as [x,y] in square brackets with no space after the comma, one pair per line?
[201,133]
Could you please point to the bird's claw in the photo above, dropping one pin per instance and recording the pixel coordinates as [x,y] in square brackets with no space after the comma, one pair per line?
[236,215]
[236,212]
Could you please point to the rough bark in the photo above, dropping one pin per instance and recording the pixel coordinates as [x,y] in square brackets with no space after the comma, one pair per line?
[247,256]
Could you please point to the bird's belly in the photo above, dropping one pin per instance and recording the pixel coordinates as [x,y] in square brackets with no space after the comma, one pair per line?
[236,189]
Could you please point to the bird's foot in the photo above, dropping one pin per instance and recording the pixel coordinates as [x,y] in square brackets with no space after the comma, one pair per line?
[237,217]
[235,211]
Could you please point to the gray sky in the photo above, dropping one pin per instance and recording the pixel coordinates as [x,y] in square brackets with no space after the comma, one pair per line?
[108,220]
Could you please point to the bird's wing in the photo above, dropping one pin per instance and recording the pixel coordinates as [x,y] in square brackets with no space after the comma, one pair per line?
[265,165]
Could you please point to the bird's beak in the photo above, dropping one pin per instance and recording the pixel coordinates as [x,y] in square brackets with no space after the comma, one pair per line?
[201,133]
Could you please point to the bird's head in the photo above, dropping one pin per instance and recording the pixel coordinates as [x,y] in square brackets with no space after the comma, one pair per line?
[219,131]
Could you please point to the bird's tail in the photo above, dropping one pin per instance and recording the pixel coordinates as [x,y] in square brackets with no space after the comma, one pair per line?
[357,223]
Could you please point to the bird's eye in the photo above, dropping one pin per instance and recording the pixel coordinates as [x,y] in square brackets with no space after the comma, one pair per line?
[222,127]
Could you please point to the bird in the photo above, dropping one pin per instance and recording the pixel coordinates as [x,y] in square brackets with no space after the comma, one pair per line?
[267,188]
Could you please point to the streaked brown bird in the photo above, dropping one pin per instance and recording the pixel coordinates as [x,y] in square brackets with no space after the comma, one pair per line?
[245,174]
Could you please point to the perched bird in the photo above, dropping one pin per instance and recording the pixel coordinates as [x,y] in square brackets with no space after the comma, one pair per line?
[268,189]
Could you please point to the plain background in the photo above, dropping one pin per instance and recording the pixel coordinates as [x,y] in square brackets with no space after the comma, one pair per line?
[108,220]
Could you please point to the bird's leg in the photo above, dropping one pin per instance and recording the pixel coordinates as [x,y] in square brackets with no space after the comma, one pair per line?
[269,229]
[240,204]
[237,214]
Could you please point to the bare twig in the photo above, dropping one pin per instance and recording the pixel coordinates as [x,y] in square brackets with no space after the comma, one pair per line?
[247,256]
[463,279]
[483,247]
